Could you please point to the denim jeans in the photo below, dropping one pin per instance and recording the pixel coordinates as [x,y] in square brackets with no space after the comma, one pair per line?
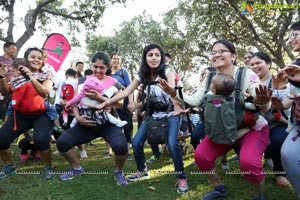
[173,145]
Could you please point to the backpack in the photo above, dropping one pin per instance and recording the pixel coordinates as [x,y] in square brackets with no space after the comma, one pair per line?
[223,130]
[67,92]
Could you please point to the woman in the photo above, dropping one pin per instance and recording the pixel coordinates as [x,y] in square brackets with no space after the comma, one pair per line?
[86,129]
[38,120]
[123,77]
[152,69]
[290,156]
[223,58]
[261,64]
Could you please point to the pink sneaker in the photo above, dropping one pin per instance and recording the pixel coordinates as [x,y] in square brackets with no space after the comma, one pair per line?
[24,157]
[35,156]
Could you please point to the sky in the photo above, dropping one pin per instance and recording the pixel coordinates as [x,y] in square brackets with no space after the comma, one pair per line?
[112,18]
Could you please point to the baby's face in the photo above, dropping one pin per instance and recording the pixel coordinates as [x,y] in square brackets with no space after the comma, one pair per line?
[16,72]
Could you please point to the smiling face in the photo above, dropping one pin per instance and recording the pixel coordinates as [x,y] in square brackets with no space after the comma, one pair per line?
[294,40]
[247,59]
[221,56]
[99,69]
[35,59]
[153,58]
[116,61]
[260,67]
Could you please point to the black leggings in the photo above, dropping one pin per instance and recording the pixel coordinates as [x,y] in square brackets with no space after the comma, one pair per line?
[125,115]
[80,134]
[41,125]
[25,145]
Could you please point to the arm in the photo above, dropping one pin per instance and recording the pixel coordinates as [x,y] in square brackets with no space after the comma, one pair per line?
[42,89]
[121,95]
[4,88]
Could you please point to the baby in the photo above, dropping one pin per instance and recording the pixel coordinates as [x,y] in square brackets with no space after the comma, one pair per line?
[94,84]
[224,84]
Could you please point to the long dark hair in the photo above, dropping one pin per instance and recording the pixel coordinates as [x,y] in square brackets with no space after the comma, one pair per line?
[27,52]
[144,71]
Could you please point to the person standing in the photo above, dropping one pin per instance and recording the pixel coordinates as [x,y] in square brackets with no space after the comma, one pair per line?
[79,68]
[123,77]
[153,69]
[36,118]
[10,51]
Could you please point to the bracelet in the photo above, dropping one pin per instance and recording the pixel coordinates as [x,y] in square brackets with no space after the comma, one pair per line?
[107,102]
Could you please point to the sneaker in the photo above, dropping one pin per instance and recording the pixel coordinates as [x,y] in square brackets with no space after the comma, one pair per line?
[235,158]
[35,156]
[152,159]
[269,163]
[138,176]
[182,186]
[130,157]
[7,170]
[24,157]
[225,165]
[214,194]
[56,153]
[49,173]
[83,154]
[259,198]
[106,155]
[71,174]
[58,129]
[121,180]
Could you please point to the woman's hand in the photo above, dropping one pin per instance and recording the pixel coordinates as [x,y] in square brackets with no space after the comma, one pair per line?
[263,96]
[85,120]
[93,95]
[131,106]
[163,84]
[292,72]
[279,81]
[182,111]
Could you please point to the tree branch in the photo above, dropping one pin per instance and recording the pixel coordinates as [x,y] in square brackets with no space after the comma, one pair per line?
[68,16]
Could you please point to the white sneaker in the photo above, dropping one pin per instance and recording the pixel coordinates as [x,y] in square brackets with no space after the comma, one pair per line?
[83,154]
[269,163]
[56,153]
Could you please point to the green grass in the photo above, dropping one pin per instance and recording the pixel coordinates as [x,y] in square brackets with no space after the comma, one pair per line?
[103,185]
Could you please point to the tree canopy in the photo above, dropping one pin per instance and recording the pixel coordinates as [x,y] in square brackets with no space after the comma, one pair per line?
[188,31]
[41,14]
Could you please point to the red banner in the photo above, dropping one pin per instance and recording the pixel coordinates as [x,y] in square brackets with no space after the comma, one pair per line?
[58,48]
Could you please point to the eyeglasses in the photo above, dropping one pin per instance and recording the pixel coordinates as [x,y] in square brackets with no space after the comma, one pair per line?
[220,51]
[100,67]
[293,35]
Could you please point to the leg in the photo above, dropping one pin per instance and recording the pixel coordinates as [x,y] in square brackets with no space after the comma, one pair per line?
[290,158]
[138,147]
[115,137]
[205,155]
[197,134]
[252,147]
[176,154]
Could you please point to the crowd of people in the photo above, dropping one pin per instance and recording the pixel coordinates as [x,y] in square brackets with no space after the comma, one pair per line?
[261,110]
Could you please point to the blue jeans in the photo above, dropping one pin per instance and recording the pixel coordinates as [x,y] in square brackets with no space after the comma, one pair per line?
[173,145]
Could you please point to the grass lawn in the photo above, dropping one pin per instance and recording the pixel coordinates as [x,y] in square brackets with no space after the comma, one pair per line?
[100,183]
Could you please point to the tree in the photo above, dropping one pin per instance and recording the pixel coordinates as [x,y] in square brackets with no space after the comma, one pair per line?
[75,14]
[204,21]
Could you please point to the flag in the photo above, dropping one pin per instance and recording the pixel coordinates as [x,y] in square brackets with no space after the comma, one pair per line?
[58,48]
